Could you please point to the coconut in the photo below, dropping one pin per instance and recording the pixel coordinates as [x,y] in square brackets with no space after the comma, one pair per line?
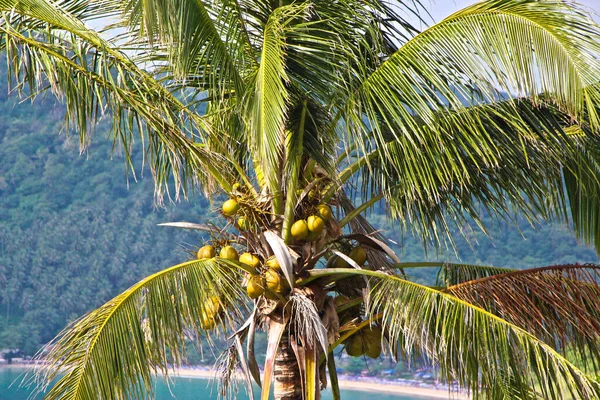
[372,341]
[229,253]
[230,207]
[359,255]
[250,259]
[207,323]
[206,252]
[256,286]
[242,223]
[275,282]
[273,263]
[300,230]
[212,307]
[337,262]
[324,212]
[354,345]
[315,224]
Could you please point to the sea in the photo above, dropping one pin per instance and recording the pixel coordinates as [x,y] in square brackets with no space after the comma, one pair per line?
[179,389]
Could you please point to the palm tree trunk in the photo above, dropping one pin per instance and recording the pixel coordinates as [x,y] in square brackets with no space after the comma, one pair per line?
[288,384]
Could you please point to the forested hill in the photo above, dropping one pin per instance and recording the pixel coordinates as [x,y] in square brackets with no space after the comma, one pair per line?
[72,234]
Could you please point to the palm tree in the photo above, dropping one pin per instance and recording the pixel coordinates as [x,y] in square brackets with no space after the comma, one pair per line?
[306,114]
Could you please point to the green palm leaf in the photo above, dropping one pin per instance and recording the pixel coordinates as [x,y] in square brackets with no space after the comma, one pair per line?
[114,351]
[415,102]
[525,177]
[205,41]
[268,102]
[95,77]
[582,187]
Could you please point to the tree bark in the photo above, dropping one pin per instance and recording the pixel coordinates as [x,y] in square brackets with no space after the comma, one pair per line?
[287,380]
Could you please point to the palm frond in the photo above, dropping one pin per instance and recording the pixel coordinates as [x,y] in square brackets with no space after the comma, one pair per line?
[413,109]
[268,101]
[206,43]
[47,48]
[114,351]
[582,186]
[477,349]
[451,274]
[467,183]
[559,304]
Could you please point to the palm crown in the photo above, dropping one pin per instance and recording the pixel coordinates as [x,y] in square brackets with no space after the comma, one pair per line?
[306,114]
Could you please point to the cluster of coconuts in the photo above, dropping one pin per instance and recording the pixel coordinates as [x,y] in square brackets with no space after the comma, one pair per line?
[366,341]
[269,282]
[226,252]
[268,279]
[310,229]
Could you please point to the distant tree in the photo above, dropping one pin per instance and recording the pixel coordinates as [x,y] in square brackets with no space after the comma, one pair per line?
[307,114]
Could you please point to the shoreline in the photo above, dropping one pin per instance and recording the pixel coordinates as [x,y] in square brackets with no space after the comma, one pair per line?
[366,385]
[348,384]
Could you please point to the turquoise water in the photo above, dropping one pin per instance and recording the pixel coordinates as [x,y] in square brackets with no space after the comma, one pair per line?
[182,389]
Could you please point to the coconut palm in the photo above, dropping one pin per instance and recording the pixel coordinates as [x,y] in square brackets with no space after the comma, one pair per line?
[305,115]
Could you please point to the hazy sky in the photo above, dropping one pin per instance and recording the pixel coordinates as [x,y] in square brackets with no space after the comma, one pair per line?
[442,8]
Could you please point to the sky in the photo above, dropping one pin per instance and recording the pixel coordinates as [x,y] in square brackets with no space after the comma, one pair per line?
[442,8]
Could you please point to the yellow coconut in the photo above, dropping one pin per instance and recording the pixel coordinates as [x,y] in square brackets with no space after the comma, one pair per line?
[212,307]
[206,252]
[300,230]
[315,224]
[207,323]
[256,286]
[273,263]
[359,255]
[229,253]
[250,259]
[324,212]
[275,282]
[230,207]
[242,223]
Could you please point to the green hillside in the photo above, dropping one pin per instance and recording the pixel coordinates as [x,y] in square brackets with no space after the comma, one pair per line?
[75,229]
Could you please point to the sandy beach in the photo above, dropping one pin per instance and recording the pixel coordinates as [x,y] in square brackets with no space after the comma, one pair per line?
[362,385]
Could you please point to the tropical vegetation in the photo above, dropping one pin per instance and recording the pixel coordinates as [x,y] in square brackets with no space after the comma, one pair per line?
[307,114]
[59,210]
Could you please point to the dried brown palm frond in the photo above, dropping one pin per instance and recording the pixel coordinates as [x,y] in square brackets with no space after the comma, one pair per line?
[306,323]
[559,304]
[226,370]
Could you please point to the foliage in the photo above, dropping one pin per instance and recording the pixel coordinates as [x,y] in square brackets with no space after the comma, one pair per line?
[60,210]
[492,111]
